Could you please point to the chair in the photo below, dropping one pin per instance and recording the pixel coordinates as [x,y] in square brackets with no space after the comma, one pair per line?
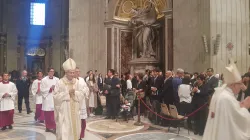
[165,113]
[174,114]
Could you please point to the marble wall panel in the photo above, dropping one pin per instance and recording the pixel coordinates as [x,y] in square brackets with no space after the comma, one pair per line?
[126,50]
[190,22]
[230,19]
[109,45]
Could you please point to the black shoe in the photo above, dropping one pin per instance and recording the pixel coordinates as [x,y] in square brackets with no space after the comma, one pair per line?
[4,128]
[195,133]
[10,127]
[20,111]
[28,112]
[41,121]
[108,117]
[35,118]
[47,130]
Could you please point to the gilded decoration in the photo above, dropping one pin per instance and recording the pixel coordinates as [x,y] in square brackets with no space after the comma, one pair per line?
[124,9]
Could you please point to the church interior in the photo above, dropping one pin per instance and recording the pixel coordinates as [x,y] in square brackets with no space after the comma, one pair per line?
[194,35]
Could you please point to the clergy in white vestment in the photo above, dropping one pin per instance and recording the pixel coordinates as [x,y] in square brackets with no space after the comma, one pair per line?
[67,98]
[36,91]
[228,119]
[83,108]
[8,93]
[47,88]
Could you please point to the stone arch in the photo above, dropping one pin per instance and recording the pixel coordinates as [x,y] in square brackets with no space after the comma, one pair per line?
[123,8]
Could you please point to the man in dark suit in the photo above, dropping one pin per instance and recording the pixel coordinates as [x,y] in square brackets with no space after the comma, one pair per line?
[168,90]
[212,82]
[157,86]
[112,91]
[134,80]
[23,85]
[200,97]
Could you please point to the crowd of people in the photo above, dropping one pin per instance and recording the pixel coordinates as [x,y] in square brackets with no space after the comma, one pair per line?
[65,104]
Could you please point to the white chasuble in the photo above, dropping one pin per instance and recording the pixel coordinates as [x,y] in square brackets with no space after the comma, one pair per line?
[84,88]
[36,86]
[7,103]
[226,119]
[67,109]
[46,84]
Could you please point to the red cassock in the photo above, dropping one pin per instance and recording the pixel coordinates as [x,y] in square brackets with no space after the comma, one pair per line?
[6,118]
[83,128]
[39,113]
[49,119]
[7,103]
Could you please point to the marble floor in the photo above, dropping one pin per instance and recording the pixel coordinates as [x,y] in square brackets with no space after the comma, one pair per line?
[25,128]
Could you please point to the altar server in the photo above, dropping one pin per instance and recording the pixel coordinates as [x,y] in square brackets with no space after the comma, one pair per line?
[8,93]
[83,109]
[47,88]
[36,91]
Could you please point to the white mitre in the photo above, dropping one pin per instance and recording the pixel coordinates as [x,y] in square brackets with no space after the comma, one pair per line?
[69,64]
[232,74]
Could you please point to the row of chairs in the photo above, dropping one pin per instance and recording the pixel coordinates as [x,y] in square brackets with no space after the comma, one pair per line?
[169,112]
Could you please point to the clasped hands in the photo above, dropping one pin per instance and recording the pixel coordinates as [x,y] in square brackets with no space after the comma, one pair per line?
[245,103]
[6,95]
[195,89]
[72,92]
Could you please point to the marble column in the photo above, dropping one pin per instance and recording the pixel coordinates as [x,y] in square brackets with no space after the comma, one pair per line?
[78,32]
[86,34]
[114,30]
[168,39]
[3,43]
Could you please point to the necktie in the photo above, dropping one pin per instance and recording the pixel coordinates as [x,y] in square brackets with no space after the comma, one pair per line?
[38,89]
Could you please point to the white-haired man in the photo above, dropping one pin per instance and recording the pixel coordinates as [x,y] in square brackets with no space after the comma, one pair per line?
[177,80]
[67,98]
[228,119]
[83,108]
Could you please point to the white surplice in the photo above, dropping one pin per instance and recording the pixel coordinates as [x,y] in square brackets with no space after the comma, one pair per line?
[7,103]
[67,109]
[48,102]
[34,88]
[83,86]
[227,120]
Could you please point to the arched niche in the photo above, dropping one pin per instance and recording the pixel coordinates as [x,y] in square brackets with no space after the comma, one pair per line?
[123,8]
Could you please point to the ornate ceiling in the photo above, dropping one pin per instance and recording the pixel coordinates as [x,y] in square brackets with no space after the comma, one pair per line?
[123,10]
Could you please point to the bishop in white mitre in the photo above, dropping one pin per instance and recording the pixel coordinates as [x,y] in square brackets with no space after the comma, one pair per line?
[228,119]
[8,93]
[47,88]
[36,91]
[67,98]
[83,108]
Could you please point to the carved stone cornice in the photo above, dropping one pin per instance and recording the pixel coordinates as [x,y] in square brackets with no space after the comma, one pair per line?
[41,42]
[168,13]
[116,22]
